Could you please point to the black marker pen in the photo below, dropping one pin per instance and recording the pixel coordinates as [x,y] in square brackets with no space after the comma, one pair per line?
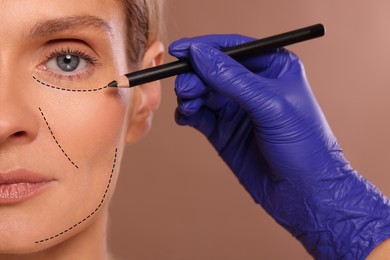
[239,51]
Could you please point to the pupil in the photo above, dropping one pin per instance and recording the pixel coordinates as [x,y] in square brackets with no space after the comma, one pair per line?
[68,59]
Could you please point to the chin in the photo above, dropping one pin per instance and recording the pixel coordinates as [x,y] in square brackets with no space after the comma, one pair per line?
[23,245]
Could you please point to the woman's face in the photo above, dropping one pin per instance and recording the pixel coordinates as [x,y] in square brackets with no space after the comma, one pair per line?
[59,149]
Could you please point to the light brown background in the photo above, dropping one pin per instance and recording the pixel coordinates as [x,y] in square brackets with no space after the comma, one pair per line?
[177,200]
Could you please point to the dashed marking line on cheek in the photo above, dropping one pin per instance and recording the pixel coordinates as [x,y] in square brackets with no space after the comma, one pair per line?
[90,214]
[68,89]
[55,139]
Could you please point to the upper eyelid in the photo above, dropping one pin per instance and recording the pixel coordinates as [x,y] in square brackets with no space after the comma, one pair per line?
[69,43]
[75,52]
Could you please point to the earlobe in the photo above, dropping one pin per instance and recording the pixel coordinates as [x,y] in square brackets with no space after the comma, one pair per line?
[146,97]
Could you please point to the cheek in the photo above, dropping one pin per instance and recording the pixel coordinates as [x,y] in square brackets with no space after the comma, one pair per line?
[91,131]
[89,124]
[86,130]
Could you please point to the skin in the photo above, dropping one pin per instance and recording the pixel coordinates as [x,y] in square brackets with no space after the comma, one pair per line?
[92,128]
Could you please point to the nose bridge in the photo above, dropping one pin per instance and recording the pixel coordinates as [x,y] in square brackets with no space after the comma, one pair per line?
[17,118]
[8,65]
[14,66]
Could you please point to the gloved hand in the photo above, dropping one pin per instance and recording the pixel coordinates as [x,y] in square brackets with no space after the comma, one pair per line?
[262,118]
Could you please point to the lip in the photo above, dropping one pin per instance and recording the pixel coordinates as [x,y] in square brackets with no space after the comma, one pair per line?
[20,185]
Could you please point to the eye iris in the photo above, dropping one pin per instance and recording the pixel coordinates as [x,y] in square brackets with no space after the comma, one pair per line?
[68,62]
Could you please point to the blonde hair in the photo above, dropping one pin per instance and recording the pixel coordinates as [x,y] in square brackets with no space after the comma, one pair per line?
[144,26]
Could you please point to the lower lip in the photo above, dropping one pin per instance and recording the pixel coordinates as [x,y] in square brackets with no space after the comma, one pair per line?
[18,192]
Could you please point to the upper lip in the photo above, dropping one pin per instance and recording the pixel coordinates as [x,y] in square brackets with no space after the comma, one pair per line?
[21,176]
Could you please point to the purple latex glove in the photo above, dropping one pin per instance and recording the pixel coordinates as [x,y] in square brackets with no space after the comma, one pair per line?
[262,118]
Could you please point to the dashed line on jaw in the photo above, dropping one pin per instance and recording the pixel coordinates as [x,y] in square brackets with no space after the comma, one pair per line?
[90,214]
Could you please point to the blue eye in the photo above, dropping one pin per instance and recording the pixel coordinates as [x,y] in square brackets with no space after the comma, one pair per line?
[66,63]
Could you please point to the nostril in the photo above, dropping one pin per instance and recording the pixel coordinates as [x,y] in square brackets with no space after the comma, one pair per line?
[19,134]
[16,136]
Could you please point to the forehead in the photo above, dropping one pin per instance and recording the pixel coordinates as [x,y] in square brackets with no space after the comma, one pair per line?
[34,18]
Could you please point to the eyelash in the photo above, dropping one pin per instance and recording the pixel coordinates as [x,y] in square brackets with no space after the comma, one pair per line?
[91,60]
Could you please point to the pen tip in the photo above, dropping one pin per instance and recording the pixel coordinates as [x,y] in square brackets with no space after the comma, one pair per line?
[113,84]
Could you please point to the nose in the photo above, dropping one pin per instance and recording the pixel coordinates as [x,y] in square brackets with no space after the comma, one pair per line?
[18,121]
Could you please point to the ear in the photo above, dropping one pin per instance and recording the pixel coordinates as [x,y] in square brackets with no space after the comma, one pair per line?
[146,97]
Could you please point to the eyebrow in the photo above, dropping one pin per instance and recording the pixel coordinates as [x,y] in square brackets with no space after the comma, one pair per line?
[70,23]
